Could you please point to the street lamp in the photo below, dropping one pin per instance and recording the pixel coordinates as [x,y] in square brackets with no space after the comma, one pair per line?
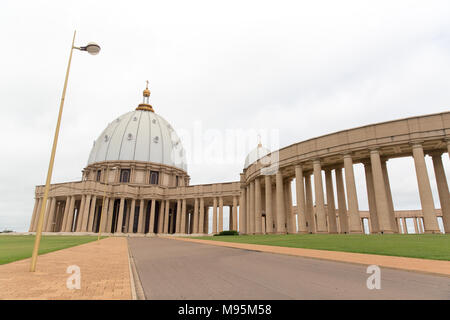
[94,49]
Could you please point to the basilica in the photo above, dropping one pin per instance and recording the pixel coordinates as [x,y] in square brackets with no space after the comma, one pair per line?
[136,183]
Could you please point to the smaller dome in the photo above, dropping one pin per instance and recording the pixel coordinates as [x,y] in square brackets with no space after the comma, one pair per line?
[256,154]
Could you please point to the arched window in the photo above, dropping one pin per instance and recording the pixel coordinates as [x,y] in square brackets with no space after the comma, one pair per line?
[154,177]
[99,174]
[125,175]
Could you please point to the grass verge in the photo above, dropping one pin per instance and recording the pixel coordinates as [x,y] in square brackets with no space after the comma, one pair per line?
[426,246]
[13,248]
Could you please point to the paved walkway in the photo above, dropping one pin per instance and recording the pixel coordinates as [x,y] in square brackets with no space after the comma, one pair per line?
[104,269]
[171,269]
[403,263]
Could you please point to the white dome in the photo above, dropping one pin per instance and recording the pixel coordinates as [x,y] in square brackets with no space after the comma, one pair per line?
[255,155]
[139,135]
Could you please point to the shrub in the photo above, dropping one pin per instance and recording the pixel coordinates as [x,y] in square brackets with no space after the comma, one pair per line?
[228,233]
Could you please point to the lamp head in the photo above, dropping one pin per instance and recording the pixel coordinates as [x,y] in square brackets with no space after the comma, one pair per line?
[91,48]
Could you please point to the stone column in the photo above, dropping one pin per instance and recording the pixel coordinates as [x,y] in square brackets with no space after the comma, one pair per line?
[104,215]
[132,213]
[258,210]
[141,219]
[92,214]
[247,209]
[183,216]
[206,223]
[33,217]
[161,218]
[166,217]
[421,225]
[385,223]
[110,215]
[405,228]
[301,201]
[416,230]
[269,213]
[65,214]
[290,218]
[79,221]
[442,187]
[235,213]
[86,213]
[318,191]
[46,214]
[342,203]
[274,206]
[60,216]
[195,226]
[252,207]
[389,196]
[71,212]
[38,212]
[242,212]
[214,214]
[311,227]
[120,218]
[178,223]
[220,214]
[280,214]
[331,207]
[426,197]
[374,225]
[151,223]
[230,217]
[353,209]
[201,218]
[51,216]
[172,221]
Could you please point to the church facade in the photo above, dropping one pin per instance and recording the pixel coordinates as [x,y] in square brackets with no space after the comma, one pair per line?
[136,183]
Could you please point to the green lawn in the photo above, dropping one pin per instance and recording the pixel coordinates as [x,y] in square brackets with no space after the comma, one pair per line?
[427,246]
[14,248]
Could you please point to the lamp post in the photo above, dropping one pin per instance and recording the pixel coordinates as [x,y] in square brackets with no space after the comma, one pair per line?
[93,49]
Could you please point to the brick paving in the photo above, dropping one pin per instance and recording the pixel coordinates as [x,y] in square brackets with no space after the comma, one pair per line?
[104,269]
[403,263]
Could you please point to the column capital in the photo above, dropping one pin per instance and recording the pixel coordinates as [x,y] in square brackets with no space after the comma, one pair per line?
[435,153]
[416,143]
[299,166]
[346,154]
[316,160]
[374,150]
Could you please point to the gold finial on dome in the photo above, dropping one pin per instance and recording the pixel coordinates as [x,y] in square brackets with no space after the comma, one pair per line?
[146,91]
[145,105]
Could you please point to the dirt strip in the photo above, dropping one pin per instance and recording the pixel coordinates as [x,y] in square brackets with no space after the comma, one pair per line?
[103,267]
[403,263]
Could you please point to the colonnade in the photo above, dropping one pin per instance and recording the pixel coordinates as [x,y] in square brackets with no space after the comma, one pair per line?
[271,210]
[142,216]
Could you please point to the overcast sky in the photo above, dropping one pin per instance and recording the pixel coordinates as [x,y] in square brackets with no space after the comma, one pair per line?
[300,68]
